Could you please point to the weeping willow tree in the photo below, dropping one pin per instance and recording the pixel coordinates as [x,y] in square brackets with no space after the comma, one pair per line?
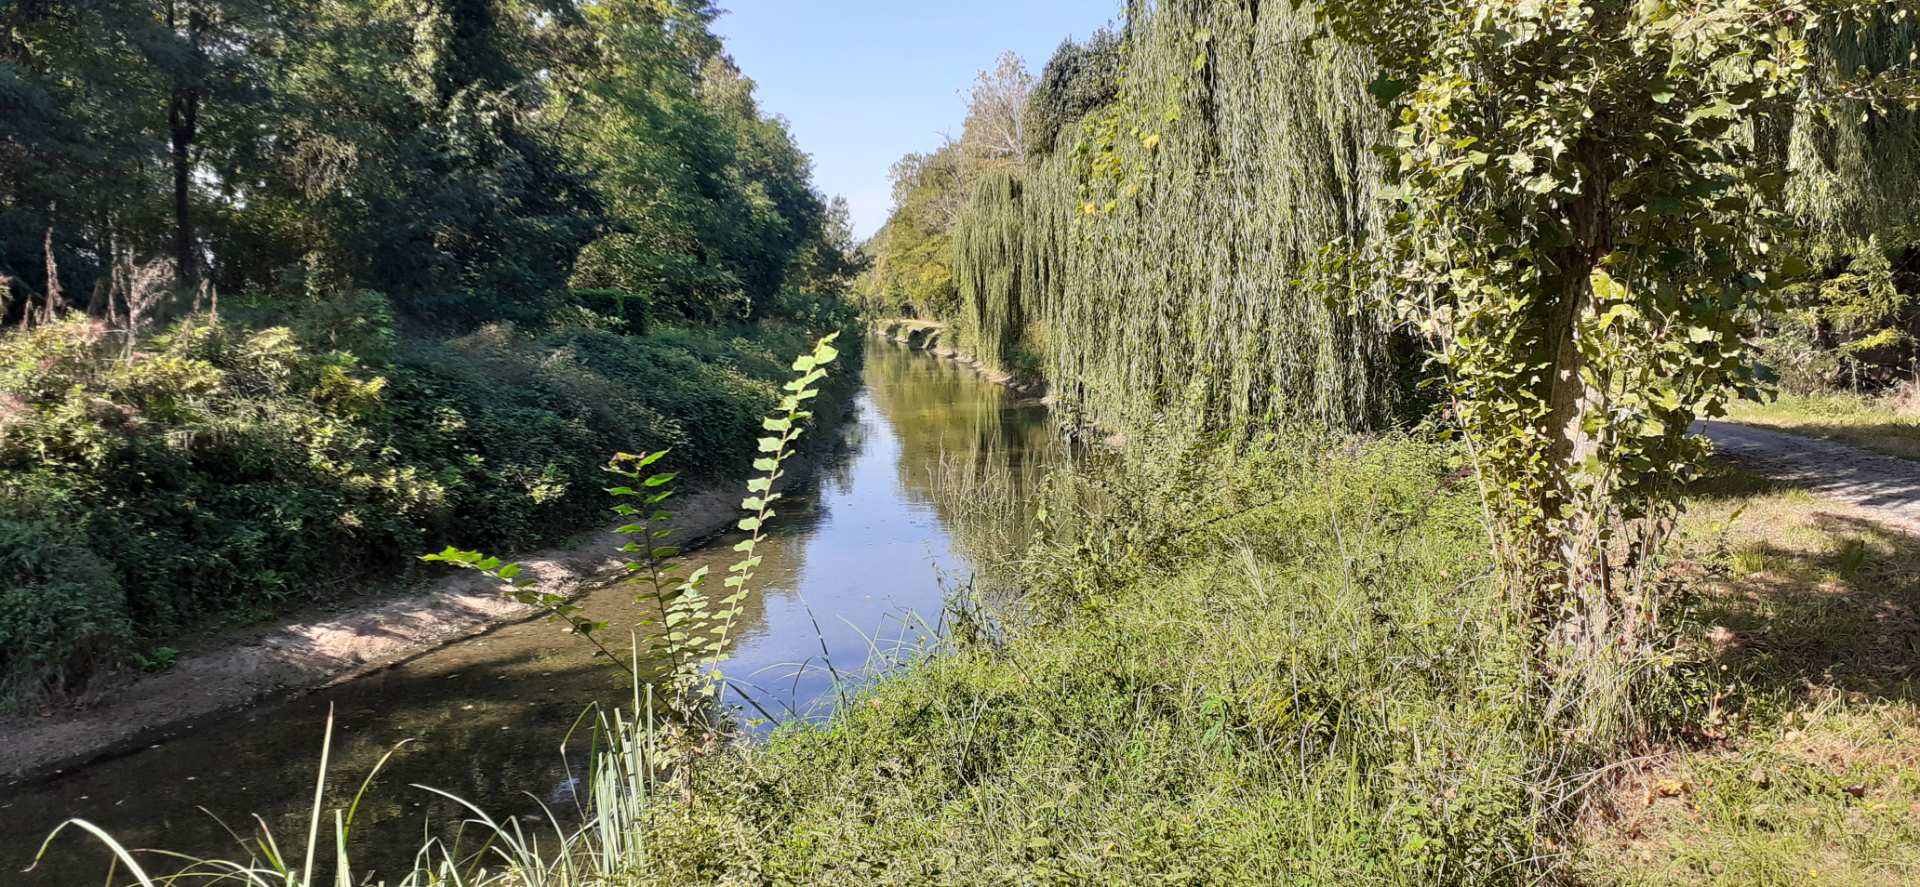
[1161,236]
[1147,256]
[1856,175]
[990,261]
[1854,183]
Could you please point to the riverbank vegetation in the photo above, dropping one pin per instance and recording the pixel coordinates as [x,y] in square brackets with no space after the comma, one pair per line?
[1412,571]
[290,297]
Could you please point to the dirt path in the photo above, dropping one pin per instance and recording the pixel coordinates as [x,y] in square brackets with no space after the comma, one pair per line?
[1888,486]
[319,650]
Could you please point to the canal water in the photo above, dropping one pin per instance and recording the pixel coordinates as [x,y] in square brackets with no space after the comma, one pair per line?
[856,576]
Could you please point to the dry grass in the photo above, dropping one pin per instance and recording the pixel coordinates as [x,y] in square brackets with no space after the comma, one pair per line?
[1807,624]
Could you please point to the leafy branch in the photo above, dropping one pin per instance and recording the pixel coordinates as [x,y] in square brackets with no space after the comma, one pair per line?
[691,629]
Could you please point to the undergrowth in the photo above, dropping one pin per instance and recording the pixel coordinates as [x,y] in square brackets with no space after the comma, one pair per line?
[234,469]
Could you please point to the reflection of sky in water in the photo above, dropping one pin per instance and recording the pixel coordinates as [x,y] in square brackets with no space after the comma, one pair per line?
[867,574]
[864,552]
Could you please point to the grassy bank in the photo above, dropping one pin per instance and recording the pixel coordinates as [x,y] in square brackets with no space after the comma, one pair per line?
[233,469]
[1251,668]
[1887,424]
[1805,768]
[1278,668]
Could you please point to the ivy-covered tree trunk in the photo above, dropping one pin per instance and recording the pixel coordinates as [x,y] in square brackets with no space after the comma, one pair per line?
[1574,601]
[1586,225]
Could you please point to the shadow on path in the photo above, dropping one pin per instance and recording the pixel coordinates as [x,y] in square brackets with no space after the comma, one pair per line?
[1888,486]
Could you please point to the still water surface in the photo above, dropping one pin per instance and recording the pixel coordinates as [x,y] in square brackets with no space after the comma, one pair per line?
[864,550]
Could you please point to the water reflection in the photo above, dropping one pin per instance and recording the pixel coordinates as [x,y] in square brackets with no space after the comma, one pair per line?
[859,552]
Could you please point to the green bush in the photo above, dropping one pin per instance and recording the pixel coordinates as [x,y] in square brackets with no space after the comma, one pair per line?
[227,472]
[61,610]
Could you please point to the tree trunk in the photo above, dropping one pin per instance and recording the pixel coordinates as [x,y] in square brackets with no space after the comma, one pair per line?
[1577,603]
[182,112]
[183,117]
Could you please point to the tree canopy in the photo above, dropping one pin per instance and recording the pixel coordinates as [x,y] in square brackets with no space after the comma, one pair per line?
[470,158]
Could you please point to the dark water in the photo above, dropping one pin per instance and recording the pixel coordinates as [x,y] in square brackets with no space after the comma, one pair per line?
[865,552]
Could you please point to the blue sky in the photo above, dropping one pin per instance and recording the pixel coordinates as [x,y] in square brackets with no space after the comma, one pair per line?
[865,81]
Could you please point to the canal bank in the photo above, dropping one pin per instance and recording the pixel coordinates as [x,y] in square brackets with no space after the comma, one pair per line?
[854,577]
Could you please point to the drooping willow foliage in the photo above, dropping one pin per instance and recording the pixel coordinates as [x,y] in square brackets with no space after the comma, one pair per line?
[991,256]
[1148,260]
[1856,176]
[1161,240]
[1854,184]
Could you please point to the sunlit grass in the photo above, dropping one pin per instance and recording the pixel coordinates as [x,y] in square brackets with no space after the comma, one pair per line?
[1810,772]
[1888,424]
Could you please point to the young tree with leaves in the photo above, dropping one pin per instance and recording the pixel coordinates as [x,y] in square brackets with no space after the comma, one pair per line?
[1589,216]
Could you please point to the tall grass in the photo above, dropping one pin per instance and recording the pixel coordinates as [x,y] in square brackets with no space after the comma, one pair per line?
[627,774]
[1244,666]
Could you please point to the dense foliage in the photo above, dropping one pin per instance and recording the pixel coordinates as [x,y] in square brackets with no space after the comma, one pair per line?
[458,155]
[1162,239]
[290,291]
[234,470]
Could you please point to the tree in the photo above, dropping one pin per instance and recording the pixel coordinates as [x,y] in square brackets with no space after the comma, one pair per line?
[1078,79]
[710,199]
[1589,218]
[912,265]
[995,131]
[832,259]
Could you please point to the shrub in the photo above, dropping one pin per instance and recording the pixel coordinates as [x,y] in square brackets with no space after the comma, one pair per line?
[62,611]
[230,471]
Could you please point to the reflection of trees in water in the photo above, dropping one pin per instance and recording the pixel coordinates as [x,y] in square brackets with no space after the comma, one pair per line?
[967,448]
[485,717]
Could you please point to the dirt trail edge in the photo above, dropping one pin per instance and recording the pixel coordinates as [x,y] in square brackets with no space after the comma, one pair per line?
[318,651]
[1886,485]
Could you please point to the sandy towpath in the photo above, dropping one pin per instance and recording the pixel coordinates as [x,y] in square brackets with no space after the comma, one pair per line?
[234,669]
[1886,485]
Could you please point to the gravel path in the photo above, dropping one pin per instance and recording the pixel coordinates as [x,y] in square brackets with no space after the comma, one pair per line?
[1886,485]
